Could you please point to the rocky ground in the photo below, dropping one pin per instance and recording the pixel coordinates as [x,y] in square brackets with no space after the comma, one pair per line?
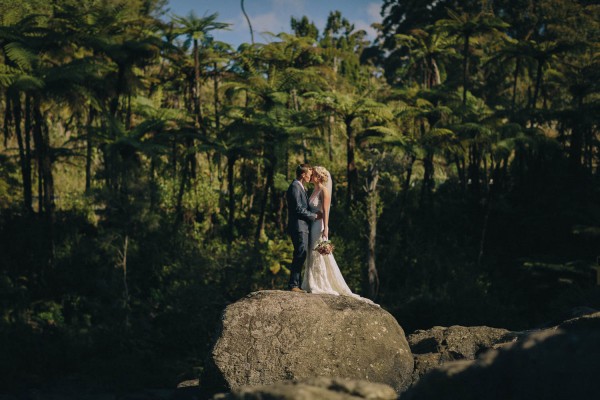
[558,361]
[289,346]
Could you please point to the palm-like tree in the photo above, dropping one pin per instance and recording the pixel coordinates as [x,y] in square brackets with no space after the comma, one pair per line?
[374,142]
[427,48]
[112,46]
[197,30]
[43,65]
[512,50]
[467,27]
[350,109]
[274,77]
[18,79]
[427,113]
[543,53]
[579,109]
[236,146]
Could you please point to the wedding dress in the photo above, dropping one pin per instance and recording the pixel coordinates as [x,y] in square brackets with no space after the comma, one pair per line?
[322,274]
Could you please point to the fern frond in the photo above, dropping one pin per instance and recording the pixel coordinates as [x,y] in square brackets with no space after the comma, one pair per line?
[20,55]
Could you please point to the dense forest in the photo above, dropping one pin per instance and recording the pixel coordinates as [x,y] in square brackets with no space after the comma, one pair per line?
[143,166]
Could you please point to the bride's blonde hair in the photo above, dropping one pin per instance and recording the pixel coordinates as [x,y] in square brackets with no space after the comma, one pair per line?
[321,173]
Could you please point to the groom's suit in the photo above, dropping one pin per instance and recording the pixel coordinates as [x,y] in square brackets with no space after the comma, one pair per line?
[298,219]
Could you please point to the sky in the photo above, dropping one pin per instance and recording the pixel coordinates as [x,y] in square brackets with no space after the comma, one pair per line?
[274,15]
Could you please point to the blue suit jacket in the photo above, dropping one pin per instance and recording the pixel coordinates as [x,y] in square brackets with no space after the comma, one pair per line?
[298,214]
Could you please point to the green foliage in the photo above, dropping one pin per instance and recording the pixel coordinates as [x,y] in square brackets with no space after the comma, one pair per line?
[304,28]
[8,181]
[277,256]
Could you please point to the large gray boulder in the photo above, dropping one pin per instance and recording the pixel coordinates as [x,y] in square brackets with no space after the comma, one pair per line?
[458,342]
[436,346]
[314,388]
[557,363]
[273,336]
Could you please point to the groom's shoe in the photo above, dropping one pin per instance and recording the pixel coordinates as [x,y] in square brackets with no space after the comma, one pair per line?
[297,290]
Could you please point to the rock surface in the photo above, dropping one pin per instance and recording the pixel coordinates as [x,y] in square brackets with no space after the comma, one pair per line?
[273,336]
[458,342]
[439,345]
[556,363]
[316,388]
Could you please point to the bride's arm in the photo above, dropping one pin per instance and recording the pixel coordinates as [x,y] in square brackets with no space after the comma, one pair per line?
[326,205]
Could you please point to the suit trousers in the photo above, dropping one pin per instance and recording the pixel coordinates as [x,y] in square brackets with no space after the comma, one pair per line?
[300,242]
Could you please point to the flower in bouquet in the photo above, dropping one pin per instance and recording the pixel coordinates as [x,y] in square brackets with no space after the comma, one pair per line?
[325,247]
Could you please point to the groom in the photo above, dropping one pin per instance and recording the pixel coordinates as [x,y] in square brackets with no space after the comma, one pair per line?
[298,218]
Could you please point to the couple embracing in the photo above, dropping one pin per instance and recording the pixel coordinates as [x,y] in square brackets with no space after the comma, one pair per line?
[308,223]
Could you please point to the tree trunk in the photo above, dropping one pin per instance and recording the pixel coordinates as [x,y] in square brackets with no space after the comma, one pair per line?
[576,148]
[49,193]
[44,157]
[7,120]
[248,183]
[474,173]
[465,69]
[89,150]
[153,185]
[433,75]
[260,229]
[589,151]
[231,191]
[280,213]
[174,156]
[352,172]
[406,185]
[427,177]
[181,192]
[216,99]
[217,103]
[460,170]
[515,81]
[42,146]
[106,153]
[248,20]
[296,107]
[114,104]
[40,185]
[331,122]
[372,200]
[25,168]
[191,156]
[538,83]
[197,107]
[28,144]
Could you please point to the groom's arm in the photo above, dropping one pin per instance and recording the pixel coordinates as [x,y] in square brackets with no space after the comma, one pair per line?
[301,211]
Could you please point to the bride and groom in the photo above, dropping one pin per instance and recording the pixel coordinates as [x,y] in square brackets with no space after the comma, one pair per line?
[308,223]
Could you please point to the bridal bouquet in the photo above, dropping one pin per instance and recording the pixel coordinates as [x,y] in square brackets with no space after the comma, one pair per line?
[325,247]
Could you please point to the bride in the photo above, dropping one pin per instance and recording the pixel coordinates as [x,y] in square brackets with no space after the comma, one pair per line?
[322,274]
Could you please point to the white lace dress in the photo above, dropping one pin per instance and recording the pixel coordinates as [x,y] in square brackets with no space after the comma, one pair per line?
[322,274]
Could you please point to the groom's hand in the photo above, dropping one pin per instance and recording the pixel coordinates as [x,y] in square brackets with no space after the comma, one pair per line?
[319,215]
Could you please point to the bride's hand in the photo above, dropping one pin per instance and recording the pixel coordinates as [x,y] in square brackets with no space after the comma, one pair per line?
[326,232]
